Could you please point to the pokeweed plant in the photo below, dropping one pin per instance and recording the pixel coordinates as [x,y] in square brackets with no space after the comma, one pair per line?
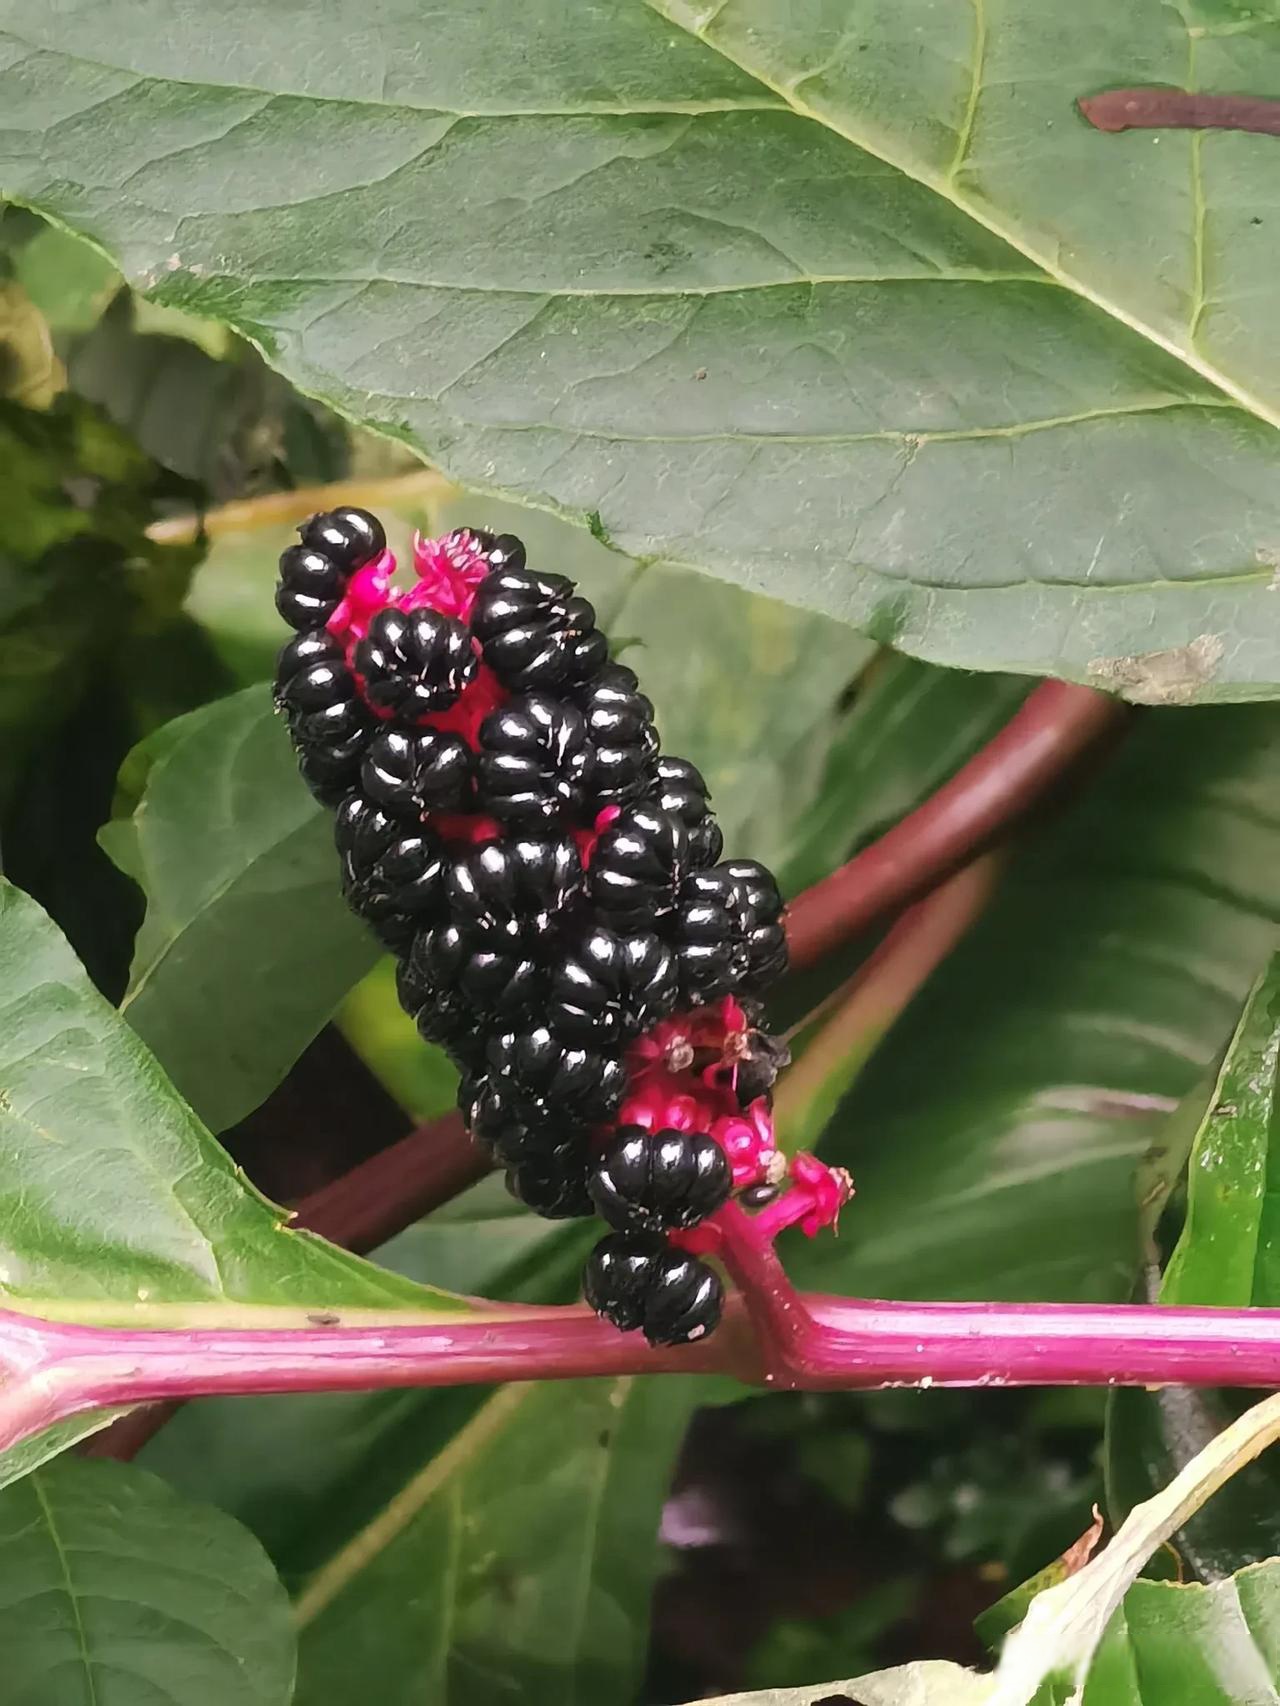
[924,322]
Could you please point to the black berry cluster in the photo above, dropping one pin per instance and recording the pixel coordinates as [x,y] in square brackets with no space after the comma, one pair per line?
[550,882]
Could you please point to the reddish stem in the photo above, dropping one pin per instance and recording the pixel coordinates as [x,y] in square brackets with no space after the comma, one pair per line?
[1154,108]
[52,1370]
[1057,722]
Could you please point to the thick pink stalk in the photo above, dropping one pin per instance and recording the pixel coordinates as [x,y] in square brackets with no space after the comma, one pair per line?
[50,1370]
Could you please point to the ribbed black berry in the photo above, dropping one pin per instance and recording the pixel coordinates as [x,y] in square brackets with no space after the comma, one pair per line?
[314,575]
[659,1180]
[310,589]
[412,771]
[393,879]
[766,936]
[312,646]
[545,1080]
[534,631]
[608,988]
[620,728]
[711,931]
[504,552]
[535,762]
[634,1279]
[502,986]
[414,662]
[639,864]
[348,537]
[511,891]
[443,1017]
[330,724]
[553,1185]
[679,788]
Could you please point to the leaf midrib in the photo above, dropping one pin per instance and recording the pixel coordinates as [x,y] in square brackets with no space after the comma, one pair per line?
[677,13]
[68,1583]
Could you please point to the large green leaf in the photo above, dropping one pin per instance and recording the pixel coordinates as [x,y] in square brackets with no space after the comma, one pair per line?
[526,1550]
[994,1137]
[246,948]
[115,1592]
[117,1204]
[851,306]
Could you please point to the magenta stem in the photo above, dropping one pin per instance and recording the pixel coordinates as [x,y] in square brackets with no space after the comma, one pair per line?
[52,1370]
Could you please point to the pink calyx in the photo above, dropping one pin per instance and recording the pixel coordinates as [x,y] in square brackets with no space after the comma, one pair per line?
[815,1195]
[368,591]
[450,570]
[748,1141]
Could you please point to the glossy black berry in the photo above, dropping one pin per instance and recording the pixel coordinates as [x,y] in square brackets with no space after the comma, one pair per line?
[634,1279]
[348,537]
[547,1081]
[679,788]
[310,588]
[553,1185]
[312,646]
[317,686]
[502,986]
[414,662]
[413,771]
[766,936]
[659,1180]
[505,552]
[640,863]
[330,768]
[535,632]
[685,1301]
[710,930]
[620,728]
[444,1018]
[392,879]
[510,892]
[362,831]
[608,988]
[535,762]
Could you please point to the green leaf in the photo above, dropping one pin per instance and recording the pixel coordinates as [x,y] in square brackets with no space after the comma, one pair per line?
[994,1137]
[1055,1644]
[890,334]
[217,416]
[1225,1257]
[1229,1251]
[247,948]
[70,282]
[910,727]
[1193,1645]
[118,1206]
[115,1592]
[529,1546]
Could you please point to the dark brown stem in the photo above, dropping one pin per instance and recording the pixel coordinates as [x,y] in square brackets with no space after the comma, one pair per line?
[1179,109]
[1054,726]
